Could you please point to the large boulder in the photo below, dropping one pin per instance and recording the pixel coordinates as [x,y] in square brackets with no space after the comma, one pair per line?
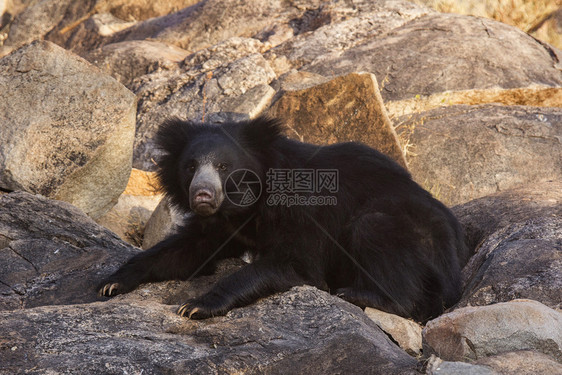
[516,235]
[460,153]
[347,108]
[51,253]
[471,333]
[67,130]
[303,330]
[446,52]
[332,28]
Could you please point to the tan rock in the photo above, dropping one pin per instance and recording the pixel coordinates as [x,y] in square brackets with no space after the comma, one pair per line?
[407,333]
[347,108]
[67,130]
[129,216]
[523,362]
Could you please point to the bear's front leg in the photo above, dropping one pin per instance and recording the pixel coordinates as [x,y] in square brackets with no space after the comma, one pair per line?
[260,279]
[176,258]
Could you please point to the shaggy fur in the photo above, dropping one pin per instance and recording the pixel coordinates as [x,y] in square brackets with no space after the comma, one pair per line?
[386,244]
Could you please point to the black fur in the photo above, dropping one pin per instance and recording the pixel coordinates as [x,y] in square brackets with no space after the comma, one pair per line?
[386,243]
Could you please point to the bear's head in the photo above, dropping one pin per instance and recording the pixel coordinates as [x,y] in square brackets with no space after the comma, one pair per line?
[208,169]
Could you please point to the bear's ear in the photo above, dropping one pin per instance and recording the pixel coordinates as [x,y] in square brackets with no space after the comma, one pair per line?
[174,134]
[261,132]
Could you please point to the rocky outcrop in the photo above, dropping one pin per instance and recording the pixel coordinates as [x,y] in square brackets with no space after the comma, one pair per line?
[471,333]
[460,153]
[51,253]
[127,60]
[347,108]
[76,25]
[445,52]
[516,235]
[303,330]
[210,85]
[67,129]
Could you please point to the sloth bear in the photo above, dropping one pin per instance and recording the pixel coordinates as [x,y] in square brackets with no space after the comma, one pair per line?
[344,218]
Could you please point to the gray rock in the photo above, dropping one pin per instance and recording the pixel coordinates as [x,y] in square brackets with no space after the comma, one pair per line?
[40,17]
[446,52]
[128,60]
[340,26]
[460,153]
[232,76]
[51,253]
[67,130]
[161,223]
[516,235]
[436,366]
[209,22]
[472,333]
[129,217]
[303,330]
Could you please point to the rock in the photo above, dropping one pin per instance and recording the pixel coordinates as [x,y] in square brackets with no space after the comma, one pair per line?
[207,23]
[460,153]
[436,53]
[436,366]
[61,21]
[67,129]
[128,60]
[143,183]
[129,217]
[535,96]
[471,333]
[210,86]
[522,362]
[303,330]
[51,253]
[161,223]
[347,108]
[40,17]
[516,235]
[340,26]
[407,333]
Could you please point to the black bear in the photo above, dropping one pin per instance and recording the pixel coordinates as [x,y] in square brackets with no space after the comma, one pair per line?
[344,218]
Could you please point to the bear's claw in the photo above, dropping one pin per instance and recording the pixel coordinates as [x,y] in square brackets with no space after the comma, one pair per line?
[109,289]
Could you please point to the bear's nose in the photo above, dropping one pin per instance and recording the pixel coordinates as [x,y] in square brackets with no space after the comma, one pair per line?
[203,196]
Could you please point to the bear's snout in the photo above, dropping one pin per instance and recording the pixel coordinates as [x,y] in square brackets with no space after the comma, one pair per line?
[205,191]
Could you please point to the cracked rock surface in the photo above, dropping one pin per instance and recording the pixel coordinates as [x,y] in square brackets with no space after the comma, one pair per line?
[460,153]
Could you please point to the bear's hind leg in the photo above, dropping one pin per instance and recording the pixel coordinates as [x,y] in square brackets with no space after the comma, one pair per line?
[367,298]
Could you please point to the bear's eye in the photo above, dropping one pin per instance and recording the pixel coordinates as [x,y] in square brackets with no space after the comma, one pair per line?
[221,166]
[191,167]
